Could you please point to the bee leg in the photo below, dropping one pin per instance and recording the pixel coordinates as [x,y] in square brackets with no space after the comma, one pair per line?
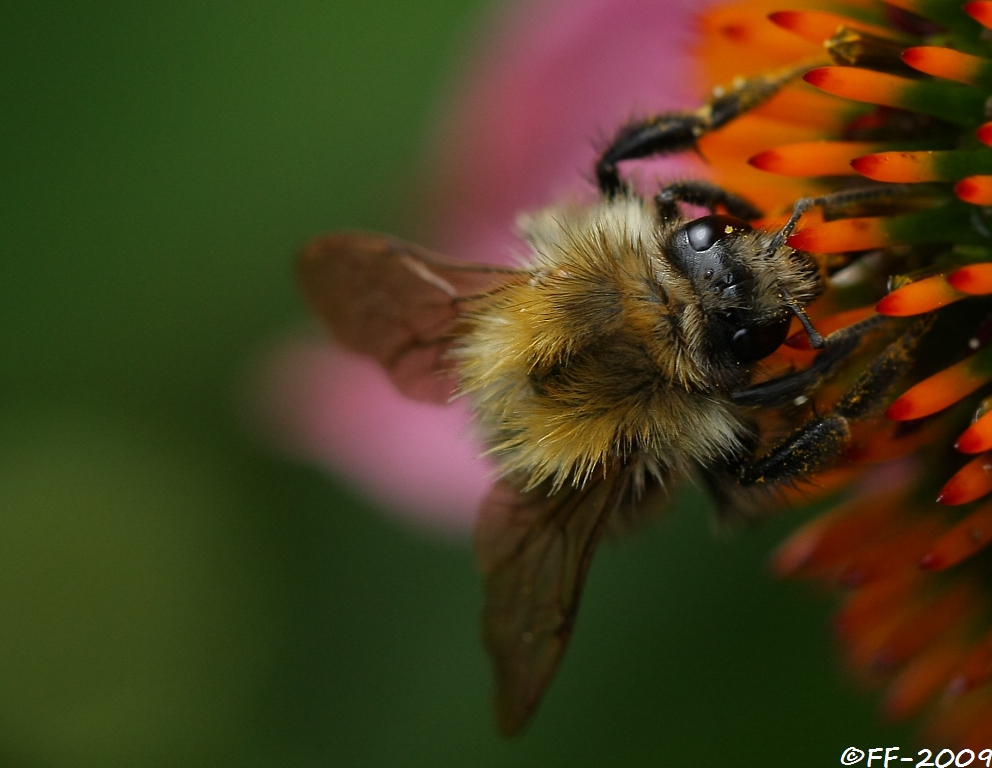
[672,132]
[705,194]
[786,389]
[839,200]
[823,437]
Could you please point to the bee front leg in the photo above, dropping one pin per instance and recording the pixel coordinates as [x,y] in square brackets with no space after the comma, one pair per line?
[840,200]
[785,389]
[672,132]
[705,194]
[824,437]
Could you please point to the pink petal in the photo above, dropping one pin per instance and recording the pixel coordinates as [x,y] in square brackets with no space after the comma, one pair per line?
[554,80]
[339,411]
[543,95]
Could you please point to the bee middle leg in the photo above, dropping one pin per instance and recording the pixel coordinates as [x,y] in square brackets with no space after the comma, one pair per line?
[673,132]
[822,438]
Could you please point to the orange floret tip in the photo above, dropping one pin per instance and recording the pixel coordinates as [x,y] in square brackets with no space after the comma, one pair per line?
[901,167]
[818,26]
[984,134]
[972,481]
[866,645]
[822,546]
[976,190]
[859,84]
[924,626]
[857,234]
[902,550]
[920,681]
[974,670]
[863,606]
[975,279]
[921,296]
[978,437]
[812,158]
[980,11]
[940,391]
[967,537]
[794,553]
[945,63]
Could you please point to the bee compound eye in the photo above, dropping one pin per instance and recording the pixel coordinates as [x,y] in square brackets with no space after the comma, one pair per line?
[704,233]
[752,343]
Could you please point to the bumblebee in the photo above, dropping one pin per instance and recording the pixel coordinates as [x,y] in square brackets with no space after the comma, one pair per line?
[625,354]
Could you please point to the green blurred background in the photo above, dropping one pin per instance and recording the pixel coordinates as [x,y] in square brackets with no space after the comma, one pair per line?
[173,592]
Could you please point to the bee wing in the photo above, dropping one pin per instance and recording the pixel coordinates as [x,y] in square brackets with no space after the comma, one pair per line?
[535,550]
[394,301]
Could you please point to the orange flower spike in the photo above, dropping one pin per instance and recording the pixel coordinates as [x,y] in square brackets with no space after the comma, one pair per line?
[950,65]
[976,190]
[975,279]
[863,648]
[918,297]
[736,34]
[812,158]
[984,134]
[926,165]
[863,606]
[961,542]
[794,554]
[974,669]
[823,544]
[859,84]
[978,437]
[943,389]
[880,444]
[953,102]
[900,551]
[977,738]
[925,625]
[921,681]
[818,26]
[902,167]
[953,724]
[971,482]
[857,234]
[980,11]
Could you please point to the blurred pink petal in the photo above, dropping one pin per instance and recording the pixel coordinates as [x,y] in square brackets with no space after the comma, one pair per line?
[549,88]
[340,411]
[550,83]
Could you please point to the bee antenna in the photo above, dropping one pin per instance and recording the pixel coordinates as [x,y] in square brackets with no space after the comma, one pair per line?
[815,339]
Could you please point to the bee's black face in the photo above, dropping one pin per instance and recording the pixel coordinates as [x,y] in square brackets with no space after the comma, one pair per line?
[702,251]
[706,251]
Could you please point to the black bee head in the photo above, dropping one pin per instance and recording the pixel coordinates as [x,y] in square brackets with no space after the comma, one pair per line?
[712,253]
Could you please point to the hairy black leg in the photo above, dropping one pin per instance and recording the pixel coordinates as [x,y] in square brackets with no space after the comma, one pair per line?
[678,131]
[822,438]
[785,389]
[705,194]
